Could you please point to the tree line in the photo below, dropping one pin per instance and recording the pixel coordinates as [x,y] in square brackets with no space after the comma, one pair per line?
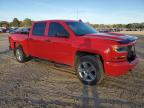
[27,23]
[131,26]
[16,23]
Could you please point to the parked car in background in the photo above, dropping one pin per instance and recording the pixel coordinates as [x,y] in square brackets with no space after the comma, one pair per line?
[19,30]
[13,30]
[25,30]
[4,30]
[1,30]
[8,30]
[22,31]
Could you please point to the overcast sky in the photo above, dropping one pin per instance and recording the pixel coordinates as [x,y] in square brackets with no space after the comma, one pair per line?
[93,11]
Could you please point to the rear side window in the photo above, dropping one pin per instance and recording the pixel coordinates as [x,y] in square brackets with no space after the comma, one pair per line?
[56,28]
[39,29]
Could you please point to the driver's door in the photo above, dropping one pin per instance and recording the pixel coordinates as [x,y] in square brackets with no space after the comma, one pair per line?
[60,44]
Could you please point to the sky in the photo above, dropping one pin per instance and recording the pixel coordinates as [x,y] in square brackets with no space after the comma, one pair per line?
[93,11]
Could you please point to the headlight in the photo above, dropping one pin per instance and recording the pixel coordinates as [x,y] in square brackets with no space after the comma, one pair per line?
[120,48]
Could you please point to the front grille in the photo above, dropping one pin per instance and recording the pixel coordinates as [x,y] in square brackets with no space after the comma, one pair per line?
[131,53]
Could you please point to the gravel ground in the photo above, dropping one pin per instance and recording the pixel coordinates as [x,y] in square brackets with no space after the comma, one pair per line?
[39,84]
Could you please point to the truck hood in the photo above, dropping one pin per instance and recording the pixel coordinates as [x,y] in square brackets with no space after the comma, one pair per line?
[120,38]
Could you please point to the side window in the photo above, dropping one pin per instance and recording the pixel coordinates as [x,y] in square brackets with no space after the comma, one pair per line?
[56,29]
[39,29]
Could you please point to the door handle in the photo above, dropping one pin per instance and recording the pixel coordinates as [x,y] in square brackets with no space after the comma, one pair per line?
[47,40]
[30,39]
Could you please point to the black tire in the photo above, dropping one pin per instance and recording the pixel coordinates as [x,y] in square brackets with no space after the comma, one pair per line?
[93,68]
[20,55]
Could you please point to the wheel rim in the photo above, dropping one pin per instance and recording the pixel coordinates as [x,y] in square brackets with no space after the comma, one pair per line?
[87,71]
[18,55]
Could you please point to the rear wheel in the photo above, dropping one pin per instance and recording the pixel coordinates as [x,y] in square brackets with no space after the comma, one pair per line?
[89,70]
[19,54]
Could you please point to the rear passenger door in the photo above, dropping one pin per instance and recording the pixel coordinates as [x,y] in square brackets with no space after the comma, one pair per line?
[37,40]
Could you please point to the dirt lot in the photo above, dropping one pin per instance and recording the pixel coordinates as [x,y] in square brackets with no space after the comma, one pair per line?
[38,84]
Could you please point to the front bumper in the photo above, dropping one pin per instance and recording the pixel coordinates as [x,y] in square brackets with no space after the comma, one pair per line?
[119,68]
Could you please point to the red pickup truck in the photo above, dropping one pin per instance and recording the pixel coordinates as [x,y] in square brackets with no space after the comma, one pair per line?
[76,44]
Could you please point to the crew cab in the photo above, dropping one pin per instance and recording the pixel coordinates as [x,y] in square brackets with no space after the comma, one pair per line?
[78,45]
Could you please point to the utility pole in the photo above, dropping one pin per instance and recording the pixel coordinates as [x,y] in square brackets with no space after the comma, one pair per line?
[77,13]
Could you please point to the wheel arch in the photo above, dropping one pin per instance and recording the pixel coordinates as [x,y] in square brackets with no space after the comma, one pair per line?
[19,44]
[15,45]
[84,53]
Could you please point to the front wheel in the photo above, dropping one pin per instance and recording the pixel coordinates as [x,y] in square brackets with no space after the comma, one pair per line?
[89,70]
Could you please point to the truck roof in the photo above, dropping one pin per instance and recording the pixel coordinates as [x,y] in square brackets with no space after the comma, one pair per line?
[57,20]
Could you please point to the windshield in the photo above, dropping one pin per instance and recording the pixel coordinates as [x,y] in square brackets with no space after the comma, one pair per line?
[80,28]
